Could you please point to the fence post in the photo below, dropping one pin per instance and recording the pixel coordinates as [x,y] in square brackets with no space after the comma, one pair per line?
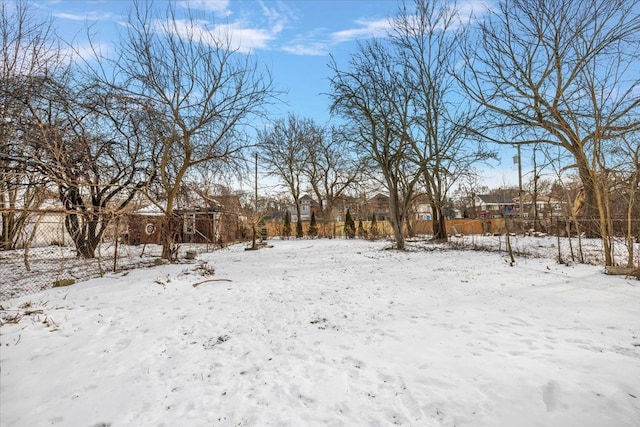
[115,250]
[558,235]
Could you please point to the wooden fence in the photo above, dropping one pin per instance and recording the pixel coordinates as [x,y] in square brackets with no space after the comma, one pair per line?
[420,227]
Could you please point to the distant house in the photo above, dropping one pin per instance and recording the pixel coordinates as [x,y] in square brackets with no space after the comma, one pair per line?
[378,205]
[422,209]
[546,206]
[350,203]
[46,226]
[228,202]
[307,206]
[494,205]
[145,225]
[205,220]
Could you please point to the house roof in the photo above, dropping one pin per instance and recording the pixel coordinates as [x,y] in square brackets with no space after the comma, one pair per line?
[380,198]
[151,210]
[496,199]
[528,198]
[422,199]
[307,198]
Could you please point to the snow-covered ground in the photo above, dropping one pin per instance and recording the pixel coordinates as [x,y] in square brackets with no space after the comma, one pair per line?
[52,263]
[49,264]
[328,332]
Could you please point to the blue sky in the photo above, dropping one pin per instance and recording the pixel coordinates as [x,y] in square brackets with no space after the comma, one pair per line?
[293,38]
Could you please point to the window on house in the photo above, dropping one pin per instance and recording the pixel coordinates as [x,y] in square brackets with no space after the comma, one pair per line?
[189,226]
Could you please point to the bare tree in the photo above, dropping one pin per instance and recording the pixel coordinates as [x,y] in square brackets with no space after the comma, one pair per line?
[29,53]
[332,168]
[203,89]
[373,97]
[285,153]
[567,70]
[428,37]
[468,188]
[60,133]
[566,188]
[626,172]
[90,146]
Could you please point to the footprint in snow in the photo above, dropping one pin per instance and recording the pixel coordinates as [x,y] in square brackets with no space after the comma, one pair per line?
[550,393]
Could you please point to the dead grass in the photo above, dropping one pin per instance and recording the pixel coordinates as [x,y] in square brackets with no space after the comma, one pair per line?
[27,310]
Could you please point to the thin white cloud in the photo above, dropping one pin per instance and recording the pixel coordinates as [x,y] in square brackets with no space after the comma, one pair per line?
[220,7]
[240,35]
[311,43]
[246,39]
[368,28]
[365,29]
[236,34]
[89,16]
[471,8]
[307,49]
[318,42]
[86,52]
[276,19]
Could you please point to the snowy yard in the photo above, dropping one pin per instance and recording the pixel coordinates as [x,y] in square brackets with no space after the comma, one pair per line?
[328,332]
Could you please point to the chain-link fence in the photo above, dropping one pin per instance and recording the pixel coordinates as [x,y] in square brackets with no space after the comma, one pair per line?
[38,251]
[586,244]
[562,239]
[566,240]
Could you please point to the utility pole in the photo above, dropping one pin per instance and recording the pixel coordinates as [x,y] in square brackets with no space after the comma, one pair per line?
[520,181]
[255,219]
[256,182]
[534,198]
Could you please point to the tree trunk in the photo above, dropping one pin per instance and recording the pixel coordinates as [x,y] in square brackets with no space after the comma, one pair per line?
[84,233]
[512,259]
[299,232]
[594,209]
[411,232]
[439,223]
[632,199]
[396,219]
[170,237]
[329,219]
[78,235]
[534,198]
[7,241]
[589,208]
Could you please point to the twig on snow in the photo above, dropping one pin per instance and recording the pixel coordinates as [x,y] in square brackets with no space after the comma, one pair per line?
[211,280]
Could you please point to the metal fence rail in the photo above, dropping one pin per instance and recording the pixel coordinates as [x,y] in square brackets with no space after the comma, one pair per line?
[42,254]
